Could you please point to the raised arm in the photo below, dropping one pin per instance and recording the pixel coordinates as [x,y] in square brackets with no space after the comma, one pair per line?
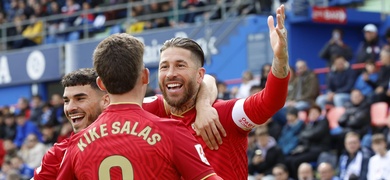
[278,37]
[207,122]
[263,105]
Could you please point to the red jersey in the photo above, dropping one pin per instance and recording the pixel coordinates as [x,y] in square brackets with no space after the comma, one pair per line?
[238,117]
[126,142]
[51,161]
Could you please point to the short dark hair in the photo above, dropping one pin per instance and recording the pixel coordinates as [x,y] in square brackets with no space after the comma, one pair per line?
[352,133]
[118,60]
[378,138]
[80,77]
[315,106]
[292,110]
[188,44]
[281,166]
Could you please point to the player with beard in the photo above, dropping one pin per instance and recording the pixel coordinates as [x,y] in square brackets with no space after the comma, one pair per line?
[180,74]
[127,142]
[84,102]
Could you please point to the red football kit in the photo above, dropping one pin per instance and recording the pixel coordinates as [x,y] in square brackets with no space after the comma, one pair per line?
[238,117]
[126,142]
[51,161]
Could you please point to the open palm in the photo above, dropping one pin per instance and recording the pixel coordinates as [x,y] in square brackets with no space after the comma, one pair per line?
[278,34]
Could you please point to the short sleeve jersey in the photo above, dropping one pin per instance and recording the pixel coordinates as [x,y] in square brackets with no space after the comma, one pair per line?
[126,142]
[51,161]
[238,117]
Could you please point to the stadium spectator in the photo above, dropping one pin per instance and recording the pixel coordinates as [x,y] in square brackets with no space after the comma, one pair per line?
[32,151]
[38,11]
[305,87]
[266,156]
[27,11]
[247,82]
[289,137]
[370,47]
[10,150]
[23,107]
[382,90]
[57,115]
[32,34]
[49,135]
[357,114]
[280,172]
[265,69]
[25,171]
[24,128]
[251,145]
[336,47]
[86,17]
[365,82]
[326,172]
[9,127]
[340,82]
[5,171]
[313,139]
[69,9]
[194,10]
[223,92]
[36,109]
[353,163]
[12,11]
[156,8]
[378,166]
[305,172]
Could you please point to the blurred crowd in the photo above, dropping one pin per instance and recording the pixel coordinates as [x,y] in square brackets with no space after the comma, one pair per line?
[56,21]
[341,132]
[320,133]
[304,140]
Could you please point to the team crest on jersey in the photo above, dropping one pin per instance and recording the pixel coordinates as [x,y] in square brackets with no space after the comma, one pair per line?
[201,153]
[149,99]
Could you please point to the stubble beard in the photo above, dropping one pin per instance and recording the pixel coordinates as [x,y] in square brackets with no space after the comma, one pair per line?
[185,102]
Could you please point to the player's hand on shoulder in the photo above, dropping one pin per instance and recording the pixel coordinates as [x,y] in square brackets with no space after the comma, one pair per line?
[208,126]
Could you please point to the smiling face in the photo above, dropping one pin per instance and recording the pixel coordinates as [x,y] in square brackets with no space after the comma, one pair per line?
[179,76]
[82,105]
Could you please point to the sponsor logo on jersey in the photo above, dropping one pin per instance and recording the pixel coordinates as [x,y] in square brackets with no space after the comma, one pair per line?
[246,123]
[149,99]
[201,153]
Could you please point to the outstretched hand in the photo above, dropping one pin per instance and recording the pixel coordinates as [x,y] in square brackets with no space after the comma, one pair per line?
[278,34]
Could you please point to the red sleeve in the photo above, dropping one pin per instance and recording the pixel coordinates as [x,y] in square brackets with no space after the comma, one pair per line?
[66,167]
[188,155]
[155,105]
[2,152]
[51,162]
[263,105]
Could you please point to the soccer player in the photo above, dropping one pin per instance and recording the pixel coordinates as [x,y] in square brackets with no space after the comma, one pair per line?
[84,102]
[180,74]
[127,142]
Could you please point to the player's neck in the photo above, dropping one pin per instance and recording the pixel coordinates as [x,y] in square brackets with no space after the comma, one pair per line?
[183,108]
[129,97]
